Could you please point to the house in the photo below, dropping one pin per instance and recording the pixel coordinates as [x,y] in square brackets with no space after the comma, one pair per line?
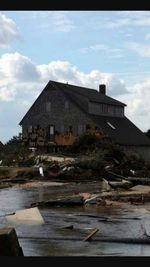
[62,112]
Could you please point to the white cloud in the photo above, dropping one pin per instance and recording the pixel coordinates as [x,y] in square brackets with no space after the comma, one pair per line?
[104,48]
[147,36]
[17,67]
[17,75]
[127,18]
[138,108]
[95,48]
[21,88]
[8,31]
[141,49]
[54,20]
[63,71]
[21,78]
[7,94]
[62,22]
[116,23]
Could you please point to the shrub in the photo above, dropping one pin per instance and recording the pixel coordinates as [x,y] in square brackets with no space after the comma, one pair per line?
[95,162]
[85,143]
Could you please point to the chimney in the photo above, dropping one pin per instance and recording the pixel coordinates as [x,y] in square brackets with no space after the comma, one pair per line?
[102,89]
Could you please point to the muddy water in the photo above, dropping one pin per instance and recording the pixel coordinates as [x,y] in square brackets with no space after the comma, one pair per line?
[52,239]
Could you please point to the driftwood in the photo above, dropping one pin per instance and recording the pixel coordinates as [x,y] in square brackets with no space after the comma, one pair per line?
[139,180]
[135,180]
[118,177]
[88,238]
[68,227]
[104,218]
[124,240]
[68,201]
[14,180]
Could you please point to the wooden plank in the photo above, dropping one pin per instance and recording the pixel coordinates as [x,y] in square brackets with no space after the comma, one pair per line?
[88,238]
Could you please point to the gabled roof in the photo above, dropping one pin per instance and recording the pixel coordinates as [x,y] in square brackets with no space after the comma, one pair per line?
[79,95]
[125,132]
[88,93]
[120,129]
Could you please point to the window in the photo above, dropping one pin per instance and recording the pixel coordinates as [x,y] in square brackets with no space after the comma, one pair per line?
[80,129]
[104,108]
[48,106]
[70,129]
[51,129]
[62,128]
[30,129]
[66,104]
[88,127]
[113,127]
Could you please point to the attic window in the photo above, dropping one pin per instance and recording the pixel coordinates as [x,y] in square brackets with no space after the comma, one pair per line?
[30,129]
[66,104]
[113,127]
[48,106]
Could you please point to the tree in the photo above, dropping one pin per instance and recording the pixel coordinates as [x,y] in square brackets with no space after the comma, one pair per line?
[14,143]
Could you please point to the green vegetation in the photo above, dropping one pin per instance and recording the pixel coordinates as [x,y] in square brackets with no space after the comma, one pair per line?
[14,154]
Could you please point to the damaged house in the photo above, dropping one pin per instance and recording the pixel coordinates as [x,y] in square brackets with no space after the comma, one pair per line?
[62,112]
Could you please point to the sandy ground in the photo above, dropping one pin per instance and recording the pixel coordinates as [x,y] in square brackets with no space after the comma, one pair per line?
[38,184]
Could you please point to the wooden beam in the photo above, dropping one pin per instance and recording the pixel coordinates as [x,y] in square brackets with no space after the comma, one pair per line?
[88,238]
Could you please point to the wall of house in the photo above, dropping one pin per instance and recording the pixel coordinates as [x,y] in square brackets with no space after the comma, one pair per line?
[53,108]
[105,109]
[139,151]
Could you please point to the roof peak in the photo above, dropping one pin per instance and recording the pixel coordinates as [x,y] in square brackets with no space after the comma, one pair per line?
[92,94]
[69,84]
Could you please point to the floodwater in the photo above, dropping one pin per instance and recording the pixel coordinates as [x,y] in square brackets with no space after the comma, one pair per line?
[53,239]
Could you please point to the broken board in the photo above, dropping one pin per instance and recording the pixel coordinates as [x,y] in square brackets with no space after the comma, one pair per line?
[26,216]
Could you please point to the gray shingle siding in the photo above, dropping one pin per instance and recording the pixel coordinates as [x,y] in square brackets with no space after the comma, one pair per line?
[76,113]
[59,115]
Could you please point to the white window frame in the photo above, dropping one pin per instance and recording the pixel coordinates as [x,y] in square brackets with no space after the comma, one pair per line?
[112,126]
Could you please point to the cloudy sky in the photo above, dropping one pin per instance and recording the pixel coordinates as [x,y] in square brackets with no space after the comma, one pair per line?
[85,48]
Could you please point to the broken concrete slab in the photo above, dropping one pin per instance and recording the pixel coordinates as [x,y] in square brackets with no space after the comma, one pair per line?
[120,184]
[105,185]
[141,188]
[29,216]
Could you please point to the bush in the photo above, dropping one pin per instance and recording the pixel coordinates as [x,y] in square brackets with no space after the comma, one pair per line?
[114,152]
[95,162]
[86,143]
